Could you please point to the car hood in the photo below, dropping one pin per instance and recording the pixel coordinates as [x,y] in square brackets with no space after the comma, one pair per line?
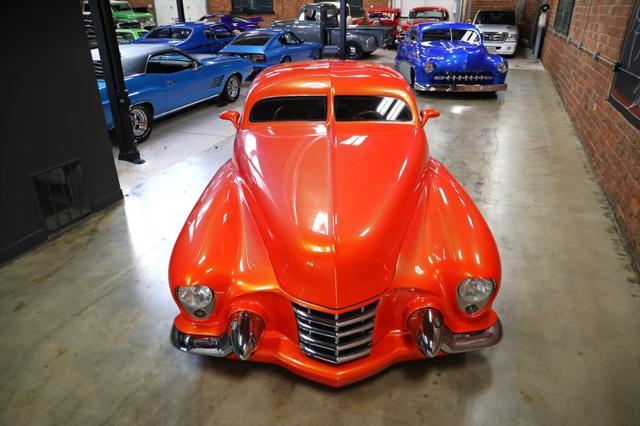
[461,55]
[333,203]
[497,28]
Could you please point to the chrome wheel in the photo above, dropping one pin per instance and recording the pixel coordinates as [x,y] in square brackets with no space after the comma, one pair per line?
[353,51]
[140,122]
[233,87]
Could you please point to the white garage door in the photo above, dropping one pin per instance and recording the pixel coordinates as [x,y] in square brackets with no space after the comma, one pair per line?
[406,5]
[167,13]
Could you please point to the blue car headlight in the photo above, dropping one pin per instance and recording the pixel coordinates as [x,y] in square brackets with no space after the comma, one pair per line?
[429,67]
[502,67]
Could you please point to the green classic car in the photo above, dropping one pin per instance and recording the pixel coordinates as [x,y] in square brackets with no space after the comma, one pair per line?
[125,17]
[127,35]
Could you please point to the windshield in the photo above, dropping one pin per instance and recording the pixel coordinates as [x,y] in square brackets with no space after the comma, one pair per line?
[380,15]
[173,33]
[371,108]
[121,7]
[252,39]
[496,18]
[290,108]
[426,14]
[447,34]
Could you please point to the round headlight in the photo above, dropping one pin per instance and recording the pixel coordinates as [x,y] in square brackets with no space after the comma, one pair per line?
[429,67]
[196,299]
[473,293]
[502,67]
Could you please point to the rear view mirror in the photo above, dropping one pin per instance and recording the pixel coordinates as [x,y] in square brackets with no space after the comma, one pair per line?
[426,114]
[233,117]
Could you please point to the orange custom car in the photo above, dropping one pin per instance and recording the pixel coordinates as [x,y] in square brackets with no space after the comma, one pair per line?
[332,244]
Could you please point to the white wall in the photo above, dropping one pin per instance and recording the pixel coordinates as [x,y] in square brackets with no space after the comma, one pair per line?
[167,13]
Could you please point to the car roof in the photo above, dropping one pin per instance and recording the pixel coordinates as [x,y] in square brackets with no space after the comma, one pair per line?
[268,31]
[324,77]
[190,24]
[134,56]
[384,10]
[452,25]
[429,8]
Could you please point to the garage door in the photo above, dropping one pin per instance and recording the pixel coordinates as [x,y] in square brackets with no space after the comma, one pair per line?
[167,13]
[406,5]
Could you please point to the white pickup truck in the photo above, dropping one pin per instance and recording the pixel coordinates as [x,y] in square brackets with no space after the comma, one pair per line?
[499,30]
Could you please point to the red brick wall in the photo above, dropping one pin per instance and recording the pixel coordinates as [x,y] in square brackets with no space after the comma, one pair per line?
[611,142]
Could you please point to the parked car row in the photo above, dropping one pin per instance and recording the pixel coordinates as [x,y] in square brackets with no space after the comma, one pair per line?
[174,66]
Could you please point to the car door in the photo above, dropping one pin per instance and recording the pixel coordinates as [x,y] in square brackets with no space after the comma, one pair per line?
[407,53]
[294,46]
[184,79]
[307,26]
[219,36]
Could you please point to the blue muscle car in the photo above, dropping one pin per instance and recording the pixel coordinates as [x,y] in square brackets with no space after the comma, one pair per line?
[445,56]
[161,79]
[270,47]
[190,37]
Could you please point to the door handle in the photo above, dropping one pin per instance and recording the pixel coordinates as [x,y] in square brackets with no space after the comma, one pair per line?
[169,82]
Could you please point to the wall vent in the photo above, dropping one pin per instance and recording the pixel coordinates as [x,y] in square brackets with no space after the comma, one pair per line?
[61,193]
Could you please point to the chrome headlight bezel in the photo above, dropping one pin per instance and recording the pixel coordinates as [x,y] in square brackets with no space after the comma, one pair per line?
[197,300]
[474,293]
[502,67]
[511,37]
[429,67]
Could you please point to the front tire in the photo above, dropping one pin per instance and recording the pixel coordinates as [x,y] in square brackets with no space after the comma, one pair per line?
[318,54]
[285,60]
[231,90]
[354,50]
[142,122]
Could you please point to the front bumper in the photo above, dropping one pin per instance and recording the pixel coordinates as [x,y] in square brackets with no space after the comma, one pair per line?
[501,47]
[275,348]
[460,87]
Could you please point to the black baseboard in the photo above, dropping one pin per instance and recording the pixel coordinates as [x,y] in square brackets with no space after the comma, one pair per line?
[22,245]
[104,202]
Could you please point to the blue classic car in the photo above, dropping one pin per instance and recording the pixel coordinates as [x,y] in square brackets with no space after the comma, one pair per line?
[161,79]
[445,56]
[190,37]
[270,47]
[236,24]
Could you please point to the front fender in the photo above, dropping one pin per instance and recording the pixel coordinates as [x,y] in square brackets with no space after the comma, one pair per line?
[448,241]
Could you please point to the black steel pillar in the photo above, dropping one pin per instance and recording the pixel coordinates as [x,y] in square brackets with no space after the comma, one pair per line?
[180,9]
[342,46]
[114,79]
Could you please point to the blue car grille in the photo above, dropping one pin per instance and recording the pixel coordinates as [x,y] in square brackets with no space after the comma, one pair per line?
[468,77]
[336,338]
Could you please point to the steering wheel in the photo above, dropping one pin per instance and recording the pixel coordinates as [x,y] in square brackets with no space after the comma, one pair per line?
[368,115]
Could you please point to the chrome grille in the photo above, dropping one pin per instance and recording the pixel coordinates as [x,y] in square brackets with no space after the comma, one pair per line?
[336,338]
[494,36]
[470,77]
[97,68]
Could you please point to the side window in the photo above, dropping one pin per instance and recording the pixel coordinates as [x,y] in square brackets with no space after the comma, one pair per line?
[168,63]
[216,32]
[413,35]
[290,39]
[308,14]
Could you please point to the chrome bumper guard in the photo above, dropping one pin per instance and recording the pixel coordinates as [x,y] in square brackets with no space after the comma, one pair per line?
[459,87]
[432,336]
[241,338]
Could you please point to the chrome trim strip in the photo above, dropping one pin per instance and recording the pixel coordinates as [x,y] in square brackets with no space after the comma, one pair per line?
[340,334]
[459,87]
[311,341]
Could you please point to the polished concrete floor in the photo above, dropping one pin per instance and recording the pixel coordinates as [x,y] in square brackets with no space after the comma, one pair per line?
[85,318]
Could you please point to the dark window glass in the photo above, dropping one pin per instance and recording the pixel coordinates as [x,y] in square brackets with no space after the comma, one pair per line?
[217,31]
[426,14]
[371,108]
[300,108]
[563,16]
[311,13]
[625,91]
[495,17]
[356,7]
[436,35]
[470,36]
[252,6]
[289,39]
[167,63]
[173,33]
[252,39]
